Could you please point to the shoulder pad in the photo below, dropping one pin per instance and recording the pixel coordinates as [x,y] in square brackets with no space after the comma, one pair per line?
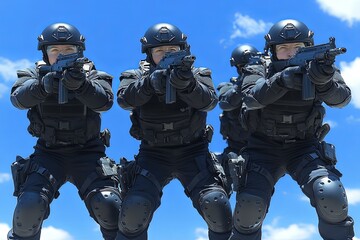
[28,72]
[133,73]
[103,75]
[224,85]
[204,71]
[254,69]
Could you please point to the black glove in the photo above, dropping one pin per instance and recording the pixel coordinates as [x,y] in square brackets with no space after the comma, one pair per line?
[181,79]
[320,73]
[291,78]
[50,82]
[158,81]
[74,78]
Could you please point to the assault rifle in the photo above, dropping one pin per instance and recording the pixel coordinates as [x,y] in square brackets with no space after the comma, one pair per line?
[181,59]
[324,53]
[74,60]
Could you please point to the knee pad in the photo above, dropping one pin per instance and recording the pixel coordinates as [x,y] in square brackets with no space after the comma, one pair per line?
[330,198]
[250,211]
[216,210]
[104,206]
[135,214]
[31,210]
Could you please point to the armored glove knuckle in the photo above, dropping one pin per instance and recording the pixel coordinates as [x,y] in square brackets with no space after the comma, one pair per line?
[291,78]
[49,82]
[320,73]
[74,78]
[157,81]
[179,82]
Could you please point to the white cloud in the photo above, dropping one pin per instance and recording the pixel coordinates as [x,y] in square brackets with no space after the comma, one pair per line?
[4,229]
[332,123]
[294,232]
[51,233]
[352,119]
[245,26]
[201,234]
[4,177]
[347,11]
[8,68]
[47,233]
[350,72]
[353,196]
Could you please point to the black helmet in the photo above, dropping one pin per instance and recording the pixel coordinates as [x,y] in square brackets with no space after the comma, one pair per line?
[288,31]
[162,34]
[241,55]
[60,34]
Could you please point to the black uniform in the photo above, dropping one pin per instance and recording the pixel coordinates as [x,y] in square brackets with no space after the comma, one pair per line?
[230,127]
[174,144]
[69,148]
[284,139]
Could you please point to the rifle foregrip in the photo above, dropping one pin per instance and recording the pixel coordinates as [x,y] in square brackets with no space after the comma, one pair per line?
[308,89]
[63,93]
[170,94]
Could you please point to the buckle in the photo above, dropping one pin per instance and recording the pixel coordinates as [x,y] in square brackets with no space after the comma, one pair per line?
[287,119]
[168,126]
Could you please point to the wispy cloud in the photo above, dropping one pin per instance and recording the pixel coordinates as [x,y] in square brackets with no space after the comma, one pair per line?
[4,229]
[8,68]
[4,177]
[347,11]
[244,26]
[352,119]
[201,234]
[332,123]
[350,72]
[47,233]
[353,196]
[297,231]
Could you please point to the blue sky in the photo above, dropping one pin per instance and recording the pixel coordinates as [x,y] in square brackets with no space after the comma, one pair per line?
[214,28]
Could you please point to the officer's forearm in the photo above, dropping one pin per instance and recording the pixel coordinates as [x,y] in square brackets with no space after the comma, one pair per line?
[133,95]
[264,92]
[231,99]
[28,94]
[200,97]
[95,97]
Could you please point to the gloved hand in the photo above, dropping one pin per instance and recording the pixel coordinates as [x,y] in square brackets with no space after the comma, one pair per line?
[74,78]
[180,78]
[158,81]
[320,73]
[50,82]
[291,78]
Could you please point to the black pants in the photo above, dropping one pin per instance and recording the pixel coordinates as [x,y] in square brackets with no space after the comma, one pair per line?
[74,164]
[183,163]
[269,161]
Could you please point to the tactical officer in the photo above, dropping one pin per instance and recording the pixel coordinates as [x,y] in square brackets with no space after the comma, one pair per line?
[174,137]
[285,130]
[230,127]
[69,145]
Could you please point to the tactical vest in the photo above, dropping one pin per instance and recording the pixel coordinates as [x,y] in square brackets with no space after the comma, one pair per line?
[230,127]
[63,124]
[162,124]
[289,118]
